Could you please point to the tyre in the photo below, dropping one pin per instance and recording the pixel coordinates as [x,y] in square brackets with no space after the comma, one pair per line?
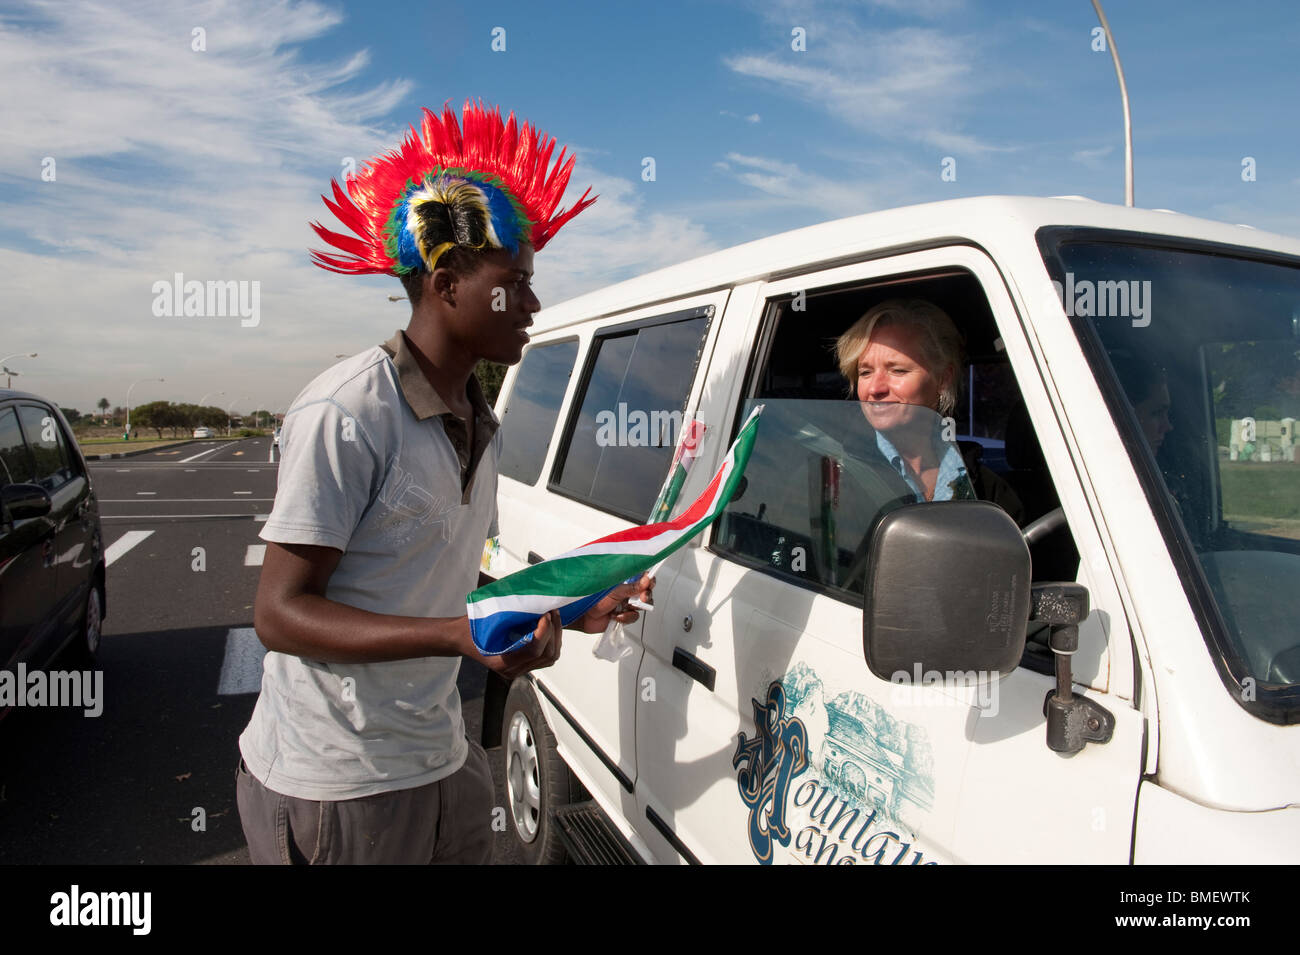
[537,780]
[85,645]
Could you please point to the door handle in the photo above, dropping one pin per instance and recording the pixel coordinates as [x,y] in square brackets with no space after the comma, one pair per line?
[694,667]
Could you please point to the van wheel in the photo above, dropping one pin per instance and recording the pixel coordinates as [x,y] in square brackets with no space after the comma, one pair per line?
[537,779]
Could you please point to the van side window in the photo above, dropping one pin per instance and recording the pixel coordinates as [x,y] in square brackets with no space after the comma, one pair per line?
[532,408]
[819,478]
[48,446]
[620,442]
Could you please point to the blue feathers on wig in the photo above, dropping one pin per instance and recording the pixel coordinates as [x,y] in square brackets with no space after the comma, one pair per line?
[453,207]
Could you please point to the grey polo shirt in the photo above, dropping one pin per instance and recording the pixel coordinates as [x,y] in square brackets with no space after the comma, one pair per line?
[374,464]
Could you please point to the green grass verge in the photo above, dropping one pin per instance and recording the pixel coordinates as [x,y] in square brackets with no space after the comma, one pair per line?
[1261,490]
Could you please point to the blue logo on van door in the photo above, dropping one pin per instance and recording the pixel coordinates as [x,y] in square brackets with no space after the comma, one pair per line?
[775,756]
[867,777]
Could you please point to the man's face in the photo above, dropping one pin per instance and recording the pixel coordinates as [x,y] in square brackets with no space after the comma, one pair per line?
[495,304]
[1153,415]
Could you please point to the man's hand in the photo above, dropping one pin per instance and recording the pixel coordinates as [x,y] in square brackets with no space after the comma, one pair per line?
[542,651]
[614,606]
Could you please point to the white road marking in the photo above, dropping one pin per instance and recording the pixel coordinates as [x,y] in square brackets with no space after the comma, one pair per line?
[254,470]
[190,470]
[176,500]
[146,493]
[122,545]
[245,492]
[123,470]
[241,669]
[199,455]
[255,554]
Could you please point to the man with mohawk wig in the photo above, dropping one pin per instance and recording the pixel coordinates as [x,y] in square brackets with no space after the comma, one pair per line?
[356,751]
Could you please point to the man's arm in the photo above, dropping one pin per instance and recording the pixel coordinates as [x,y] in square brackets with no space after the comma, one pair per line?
[292,615]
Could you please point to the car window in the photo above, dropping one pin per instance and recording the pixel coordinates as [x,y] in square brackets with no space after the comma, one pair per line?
[620,441]
[53,464]
[14,455]
[528,422]
[815,484]
[1198,354]
[821,476]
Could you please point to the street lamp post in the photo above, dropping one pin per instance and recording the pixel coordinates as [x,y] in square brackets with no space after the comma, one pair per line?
[9,381]
[1123,97]
[128,400]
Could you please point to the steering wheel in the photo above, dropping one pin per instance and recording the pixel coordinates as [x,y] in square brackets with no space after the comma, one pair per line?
[1039,529]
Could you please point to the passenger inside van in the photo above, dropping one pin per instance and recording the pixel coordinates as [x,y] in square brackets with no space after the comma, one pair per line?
[1147,387]
[823,468]
[902,358]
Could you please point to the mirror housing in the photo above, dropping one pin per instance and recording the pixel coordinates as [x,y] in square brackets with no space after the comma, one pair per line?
[947,589]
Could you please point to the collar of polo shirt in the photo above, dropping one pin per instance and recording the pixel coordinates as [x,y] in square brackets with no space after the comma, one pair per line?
[421,396]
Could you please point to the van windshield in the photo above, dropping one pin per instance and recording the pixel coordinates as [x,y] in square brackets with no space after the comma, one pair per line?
[1199,354]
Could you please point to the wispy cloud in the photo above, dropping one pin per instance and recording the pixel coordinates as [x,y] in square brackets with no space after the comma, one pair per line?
[620,237]
[1092,158]
[790,185]
[210,163]
[905,83]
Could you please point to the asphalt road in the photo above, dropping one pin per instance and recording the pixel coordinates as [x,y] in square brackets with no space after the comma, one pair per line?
[181,667]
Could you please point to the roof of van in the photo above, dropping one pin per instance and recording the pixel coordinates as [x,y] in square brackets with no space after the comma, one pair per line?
[11,394]
[985,220]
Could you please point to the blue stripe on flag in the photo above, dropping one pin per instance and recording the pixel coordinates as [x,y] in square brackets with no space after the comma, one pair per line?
[508,630]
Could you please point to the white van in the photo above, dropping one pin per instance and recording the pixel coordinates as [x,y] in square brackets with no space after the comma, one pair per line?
[823,680]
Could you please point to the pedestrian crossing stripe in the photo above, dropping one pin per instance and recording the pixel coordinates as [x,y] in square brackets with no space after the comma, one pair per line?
[122,545]
[241,668]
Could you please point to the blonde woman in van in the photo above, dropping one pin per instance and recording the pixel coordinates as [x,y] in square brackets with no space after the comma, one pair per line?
[903,360]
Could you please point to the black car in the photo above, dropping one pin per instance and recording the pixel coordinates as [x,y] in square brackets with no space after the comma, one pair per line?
[51,548]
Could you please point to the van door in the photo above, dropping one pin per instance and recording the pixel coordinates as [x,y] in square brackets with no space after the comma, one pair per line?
[608,456]
[767,738]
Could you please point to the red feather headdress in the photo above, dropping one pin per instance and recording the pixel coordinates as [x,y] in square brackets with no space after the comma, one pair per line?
[488,187]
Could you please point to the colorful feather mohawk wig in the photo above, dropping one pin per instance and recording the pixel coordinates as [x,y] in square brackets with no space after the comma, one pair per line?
[488,187]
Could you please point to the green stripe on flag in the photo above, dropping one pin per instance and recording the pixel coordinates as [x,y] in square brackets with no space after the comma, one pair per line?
[581,575]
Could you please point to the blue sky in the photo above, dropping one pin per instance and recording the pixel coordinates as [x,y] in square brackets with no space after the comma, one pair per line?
[210,162]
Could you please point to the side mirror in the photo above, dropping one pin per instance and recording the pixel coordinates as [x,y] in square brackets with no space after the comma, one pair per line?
[25,500]
[947,589]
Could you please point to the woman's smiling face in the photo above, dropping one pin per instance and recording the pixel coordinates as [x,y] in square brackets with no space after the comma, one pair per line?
[893,379]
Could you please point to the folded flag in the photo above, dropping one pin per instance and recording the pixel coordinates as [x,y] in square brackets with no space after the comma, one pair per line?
[687,451]
[504,613]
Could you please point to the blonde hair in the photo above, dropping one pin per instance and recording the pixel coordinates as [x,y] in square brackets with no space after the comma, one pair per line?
[941,343]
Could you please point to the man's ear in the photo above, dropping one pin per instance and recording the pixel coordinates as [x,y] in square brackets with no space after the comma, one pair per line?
[442,283]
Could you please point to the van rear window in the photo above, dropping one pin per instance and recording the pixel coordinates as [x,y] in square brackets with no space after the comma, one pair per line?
[532,408]
[630,414]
